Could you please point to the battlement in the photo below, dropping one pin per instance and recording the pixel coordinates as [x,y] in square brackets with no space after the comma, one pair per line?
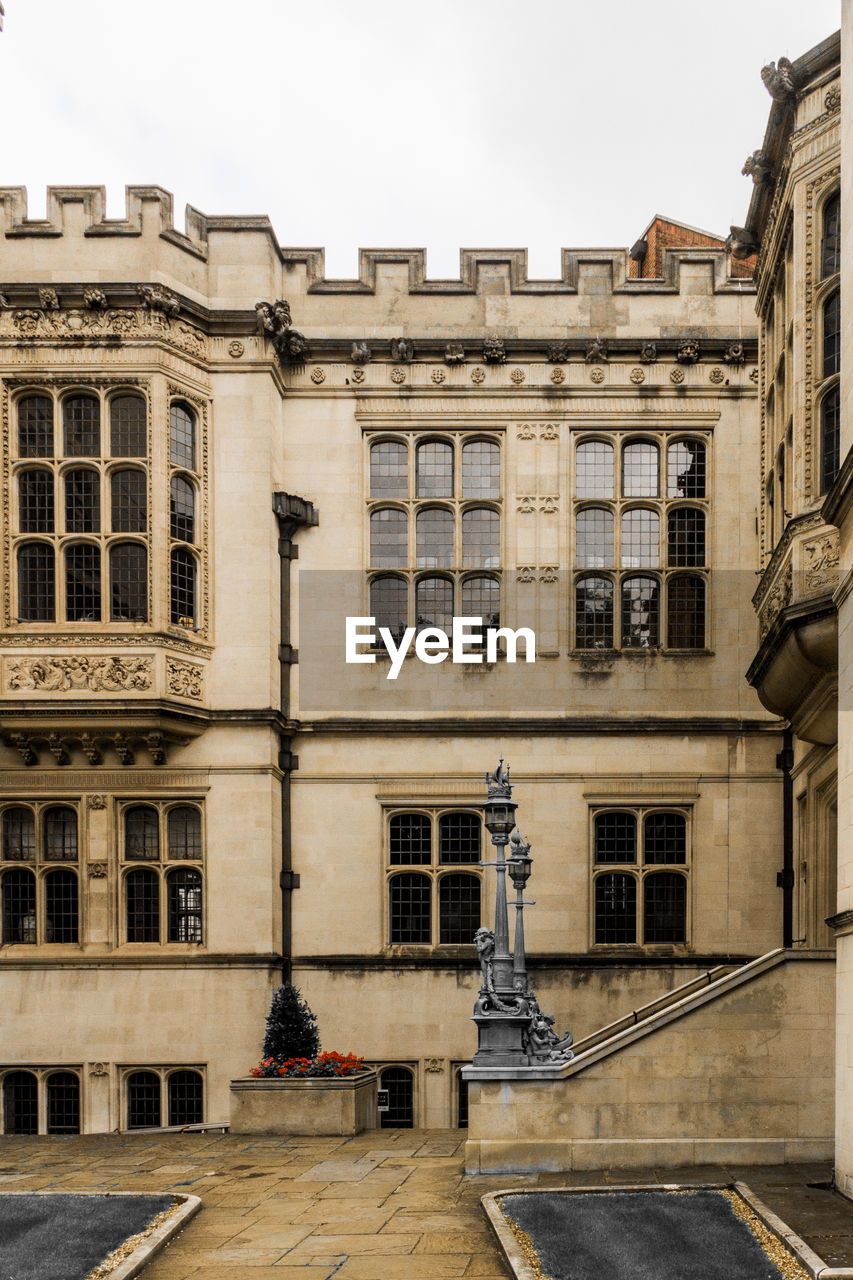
[80,213]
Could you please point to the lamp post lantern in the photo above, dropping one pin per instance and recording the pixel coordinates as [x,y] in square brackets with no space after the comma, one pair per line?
[499,815]
[519,864]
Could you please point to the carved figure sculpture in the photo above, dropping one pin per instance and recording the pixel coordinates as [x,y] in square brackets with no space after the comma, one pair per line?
[779,80]
[688,351]
[649,353]
[94,299]
[758,167]
[542,1041]
[741,243]
[360,353]
[274,320]
[596,351]
[402,350]
[734,353]
[454,353]
[484,940]
[558,352]
[49,299]
[157,299]
[494,350]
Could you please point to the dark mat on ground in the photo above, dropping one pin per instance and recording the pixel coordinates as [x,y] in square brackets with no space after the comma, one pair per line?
[640,1235]
[64,1237]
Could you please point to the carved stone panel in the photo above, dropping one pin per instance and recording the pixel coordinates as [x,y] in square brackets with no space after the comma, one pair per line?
[96,674]
[184,679]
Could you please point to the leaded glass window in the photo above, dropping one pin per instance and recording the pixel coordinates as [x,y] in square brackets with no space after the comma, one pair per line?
[128,427]
[389,538]
[640,465]
[594,613]
[481,537]
[128,582]
[181,435]
[458,909]
[82,501]
[182,509]
[481,469]
[389,469]
[35,501]
[686,612]
[434,604]
[183,890]
[183,583]
[81,425]
[410,895]
[36,590]
[128,501]
[594,459]
[686,537]
[35,427]
[434,465]
[640,613]
[60,906]
[389,599]
[83,582]
[594,538]
[435,538]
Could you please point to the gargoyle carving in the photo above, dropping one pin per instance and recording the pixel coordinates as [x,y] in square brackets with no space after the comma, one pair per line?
[741,243]
[360,353]
[454,353]
[779,80]
[274,319]
[758,167]
[494,350]
[596,351]
[402,350]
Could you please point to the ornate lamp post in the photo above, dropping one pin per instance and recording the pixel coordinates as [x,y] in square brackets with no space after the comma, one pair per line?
[519,865]
[499,814]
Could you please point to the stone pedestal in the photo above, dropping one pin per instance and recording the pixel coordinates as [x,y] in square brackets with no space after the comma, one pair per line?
[318,1107]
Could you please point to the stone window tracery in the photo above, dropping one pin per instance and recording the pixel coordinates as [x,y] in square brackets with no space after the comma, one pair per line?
[45,1100]
[635,903]
[436,904]
[162,902]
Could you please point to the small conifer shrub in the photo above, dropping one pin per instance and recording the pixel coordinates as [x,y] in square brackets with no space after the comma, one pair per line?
[291,1027]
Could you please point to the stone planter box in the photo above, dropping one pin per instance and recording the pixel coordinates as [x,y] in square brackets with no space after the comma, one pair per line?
[322,1106]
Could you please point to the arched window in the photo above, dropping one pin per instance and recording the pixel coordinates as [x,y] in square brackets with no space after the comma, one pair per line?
[82,501]
[184,832]
[665,907]
[128,501]
[686,469]
[640,539]
[143,1100]
[61,907]
[615,836]
[128,582]
[182,509]
[59,835]
[186,1098]
[594,614]
[141,833]
[459,838]
[81,424]
[83,582]
[616,908]
[686,537]
[410,908]
[19,835]
[595,538]
[19,906]
[434,604]
[399,1084]
[686,612]
[389,469]
[481,598]
[35,427]
[20,1103]
[434,538]
[36,589]
[458,909]
[594,469]
[434,468]
[183,891]
[142,898]
[389,604]
[830,438]
[63,1102]
[640,613]
[481,469]
[830,244]
[181,435]
[410,843]
[389,538]
[640,470]
[35,501]
[127,427]
[832,335]
[665,838]
[481,538]
[182,588]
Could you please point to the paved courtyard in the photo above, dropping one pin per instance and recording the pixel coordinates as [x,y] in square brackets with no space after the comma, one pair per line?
[391,1204]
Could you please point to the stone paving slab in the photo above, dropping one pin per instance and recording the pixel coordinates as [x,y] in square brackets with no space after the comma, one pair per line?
[381,1192]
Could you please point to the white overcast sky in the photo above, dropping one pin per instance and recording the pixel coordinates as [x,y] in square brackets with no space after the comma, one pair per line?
[497,123]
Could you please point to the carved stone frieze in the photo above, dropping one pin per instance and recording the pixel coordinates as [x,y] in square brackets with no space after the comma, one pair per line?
[184,679]
[525,572]
[548,573]
[494,350]
[94,299]
[832,100]
[778,598]
[558,352]
[558,375]
[156,298]
[549,504]
[526,431]
[402,350]
[734,353]
[97,871]
[102,324]
[79,672]
[649,353]
[434,1065]
[549,431]
[454,353]
[360,353]
[596,351]
[820,562]
[49,299]
[96,801]
[98,1069]
[688,351]
[526,503]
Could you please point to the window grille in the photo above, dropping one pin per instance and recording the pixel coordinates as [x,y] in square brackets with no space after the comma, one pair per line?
[410,839]
[410,909]
[594,460]
[434,465]
[665,908]
[127,427]
[142,890]
[686,612]
[481,598]
[400,1086]
[459,838]
[60,835]
[594,613]
[686,537]
[35,427]
[184,899]
[481,469]
[19,835]
[186,1098]
[83,583]
[594,538]
[182,510]
[183,588]
[481,536]
[63,1102]
[389,605]
[35,501]
[832,335]
[640,613]
[830,437]
[36,594]
[830,247]
[20,1103]
[435,538]
[686,469]
[389,538]
[640,470]
[389,469]
[141,833]
[128,501]
[615,908]
[184,832]
[458,909]
[434,604]
[128,582]
[143,1100]
[61,909]
[81,422]
[615,837]
[181,436]
[19,907]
